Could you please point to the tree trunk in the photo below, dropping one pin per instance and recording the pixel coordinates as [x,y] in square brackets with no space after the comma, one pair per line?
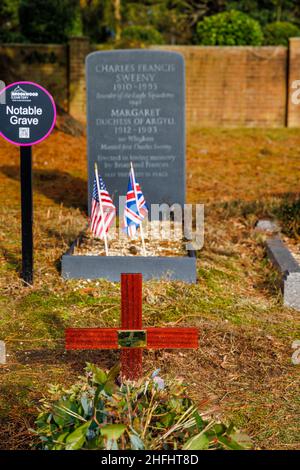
[117,8]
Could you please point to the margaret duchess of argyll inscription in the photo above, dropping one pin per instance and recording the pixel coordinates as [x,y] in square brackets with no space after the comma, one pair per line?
[135,105]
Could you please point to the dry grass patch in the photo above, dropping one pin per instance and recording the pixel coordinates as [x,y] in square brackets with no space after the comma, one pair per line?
[243,368]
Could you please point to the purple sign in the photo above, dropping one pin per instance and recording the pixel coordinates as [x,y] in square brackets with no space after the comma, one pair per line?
[27,113]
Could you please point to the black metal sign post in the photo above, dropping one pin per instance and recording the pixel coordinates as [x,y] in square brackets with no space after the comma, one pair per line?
[27,117]
[27,213]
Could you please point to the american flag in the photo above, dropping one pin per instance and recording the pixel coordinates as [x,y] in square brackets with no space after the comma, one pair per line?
[135,207]
[100,225]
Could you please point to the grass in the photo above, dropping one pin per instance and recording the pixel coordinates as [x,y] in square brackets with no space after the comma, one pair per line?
[243,367]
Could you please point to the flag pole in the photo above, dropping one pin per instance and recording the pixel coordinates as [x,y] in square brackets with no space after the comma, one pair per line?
[141,224]
[101,209]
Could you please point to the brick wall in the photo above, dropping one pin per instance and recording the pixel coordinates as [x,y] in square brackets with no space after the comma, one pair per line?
[235,86]
[293,109]
[79,48]
[225,86]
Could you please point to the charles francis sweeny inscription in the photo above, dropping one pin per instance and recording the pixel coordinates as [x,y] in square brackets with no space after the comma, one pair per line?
[136,112]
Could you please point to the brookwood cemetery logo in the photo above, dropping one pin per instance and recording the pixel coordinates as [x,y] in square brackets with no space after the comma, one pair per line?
[18,94]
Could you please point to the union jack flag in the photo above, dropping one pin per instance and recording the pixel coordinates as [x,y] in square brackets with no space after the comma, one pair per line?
[100,225]
[135,207]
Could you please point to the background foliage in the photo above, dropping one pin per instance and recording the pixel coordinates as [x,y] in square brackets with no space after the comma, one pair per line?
[9,21]
[140,35]
[230,28]
[48,22]
[105,20]
[279,32]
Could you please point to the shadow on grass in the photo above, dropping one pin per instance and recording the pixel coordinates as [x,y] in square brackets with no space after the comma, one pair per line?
[76,359]
[280,207]
[60,186]
[271,282]
[13,261]
[14,432]
[274,205]
[16,418]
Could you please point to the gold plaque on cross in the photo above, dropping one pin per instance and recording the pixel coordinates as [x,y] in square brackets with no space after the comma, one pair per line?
[132,338]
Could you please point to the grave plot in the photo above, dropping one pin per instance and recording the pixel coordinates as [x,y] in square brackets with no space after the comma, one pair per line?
[284,253]
[84,261]
[165,243]
[136,113]
[289,268]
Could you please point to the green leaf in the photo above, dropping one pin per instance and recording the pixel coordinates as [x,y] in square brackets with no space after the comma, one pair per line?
[199,421]
[113,431]
[76,439]
[198,442]
[109,387]
[62,437]
[71,411]
[230,428]
[61,416]
[242,439]
[85,404]
[99,376]
[229,443]
[167,420]
[59,444]
[97,394]
[114,372]
[219,429]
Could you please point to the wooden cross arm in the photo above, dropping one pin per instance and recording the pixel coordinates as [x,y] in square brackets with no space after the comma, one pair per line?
[107,338]
[172,338]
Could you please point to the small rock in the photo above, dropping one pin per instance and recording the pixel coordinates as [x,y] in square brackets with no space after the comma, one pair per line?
[265,225]
[133,250]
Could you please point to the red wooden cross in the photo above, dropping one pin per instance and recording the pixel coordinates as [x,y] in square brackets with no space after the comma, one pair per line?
[131,337]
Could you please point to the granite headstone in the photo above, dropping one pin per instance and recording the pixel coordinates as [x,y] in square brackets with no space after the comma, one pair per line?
[136,112]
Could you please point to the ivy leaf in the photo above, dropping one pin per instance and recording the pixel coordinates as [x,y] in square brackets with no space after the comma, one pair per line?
[198,442]
[77,438]
[113,431]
